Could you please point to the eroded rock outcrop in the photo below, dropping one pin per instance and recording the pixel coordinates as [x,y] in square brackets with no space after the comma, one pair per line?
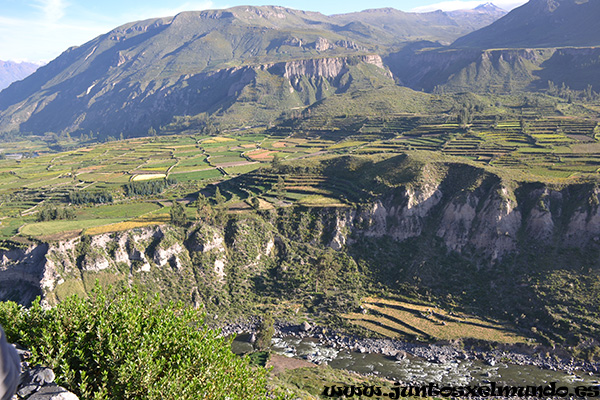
[483,220]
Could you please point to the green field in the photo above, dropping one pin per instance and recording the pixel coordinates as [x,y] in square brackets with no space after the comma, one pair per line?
[551,148]
[129,210]
[53,227]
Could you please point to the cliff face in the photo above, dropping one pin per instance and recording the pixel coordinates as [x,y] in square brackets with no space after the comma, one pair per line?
[487,224]
[479,218]
[324,67]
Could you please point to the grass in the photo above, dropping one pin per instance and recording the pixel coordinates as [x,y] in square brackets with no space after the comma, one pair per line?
[320,201]
[345,144]
[393,319]
[52,227]
[197,175]
[147,177]
[9,227]
[154,219]
[241,169]
[555,150]
[117,210]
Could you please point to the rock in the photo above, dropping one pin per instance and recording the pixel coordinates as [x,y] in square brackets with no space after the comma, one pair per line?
[37,382]
[306,326]
[26,390]
[53,392]
[42,375]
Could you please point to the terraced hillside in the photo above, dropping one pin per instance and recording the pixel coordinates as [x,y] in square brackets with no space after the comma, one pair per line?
[396,319]
[277,166]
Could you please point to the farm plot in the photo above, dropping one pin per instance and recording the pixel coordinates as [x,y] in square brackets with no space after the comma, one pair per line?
[401,319]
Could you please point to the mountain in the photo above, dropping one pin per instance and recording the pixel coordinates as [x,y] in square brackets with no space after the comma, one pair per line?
[479,17]
[541,23]
[496,70]
[11,71]
[248,65]
[542,41]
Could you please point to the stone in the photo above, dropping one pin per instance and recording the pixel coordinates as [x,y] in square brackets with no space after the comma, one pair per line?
[306,326]
[26,390]
[53,392]
[42,375]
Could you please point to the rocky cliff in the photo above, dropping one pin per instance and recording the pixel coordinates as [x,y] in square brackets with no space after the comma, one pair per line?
[453,208]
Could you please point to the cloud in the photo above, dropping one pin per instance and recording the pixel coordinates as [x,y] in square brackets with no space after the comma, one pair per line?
[452,5]
[53,10]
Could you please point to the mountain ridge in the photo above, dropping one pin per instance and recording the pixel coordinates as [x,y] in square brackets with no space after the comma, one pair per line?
[128,72]
[11,71]
[540,23]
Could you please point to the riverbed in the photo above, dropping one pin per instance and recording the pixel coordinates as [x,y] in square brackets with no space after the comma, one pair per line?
[408,368]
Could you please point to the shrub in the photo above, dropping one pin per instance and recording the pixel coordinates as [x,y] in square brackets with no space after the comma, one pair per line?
[86,197]
[148,188]
[122,345]
[53,214]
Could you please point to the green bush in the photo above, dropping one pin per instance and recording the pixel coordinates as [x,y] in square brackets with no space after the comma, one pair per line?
[122,345]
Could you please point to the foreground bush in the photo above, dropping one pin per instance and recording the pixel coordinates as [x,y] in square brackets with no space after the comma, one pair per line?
[121,345]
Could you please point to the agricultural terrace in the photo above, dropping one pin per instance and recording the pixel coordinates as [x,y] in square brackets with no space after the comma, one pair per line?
[396,319]
[33,176]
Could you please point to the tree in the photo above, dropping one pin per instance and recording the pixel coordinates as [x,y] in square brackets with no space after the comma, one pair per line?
[204,211]
[276,162]
[178,217]
[280,188]
[219,198]
[265,333]
[220,205]
[124,345]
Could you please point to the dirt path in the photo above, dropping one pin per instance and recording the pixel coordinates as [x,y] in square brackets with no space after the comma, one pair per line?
[282,363]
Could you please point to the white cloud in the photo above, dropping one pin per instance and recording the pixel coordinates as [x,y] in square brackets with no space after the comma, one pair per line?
[53,10]
[452,5]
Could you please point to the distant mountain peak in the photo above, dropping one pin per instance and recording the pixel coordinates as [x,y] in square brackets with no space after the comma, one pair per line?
[541,23]
[11,71]
[488,7]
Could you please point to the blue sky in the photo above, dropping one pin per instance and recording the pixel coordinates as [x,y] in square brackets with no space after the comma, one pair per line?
[39,30]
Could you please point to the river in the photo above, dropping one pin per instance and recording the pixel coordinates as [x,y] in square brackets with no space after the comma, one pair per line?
[412,369]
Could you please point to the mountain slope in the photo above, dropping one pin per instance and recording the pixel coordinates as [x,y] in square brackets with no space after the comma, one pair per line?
[479,17]
[541,23]
[496,70]
[142,74]
[11,71]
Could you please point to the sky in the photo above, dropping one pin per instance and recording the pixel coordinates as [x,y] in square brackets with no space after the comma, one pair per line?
[40,30]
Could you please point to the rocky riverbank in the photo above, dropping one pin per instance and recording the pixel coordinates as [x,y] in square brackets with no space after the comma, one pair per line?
[438,353]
